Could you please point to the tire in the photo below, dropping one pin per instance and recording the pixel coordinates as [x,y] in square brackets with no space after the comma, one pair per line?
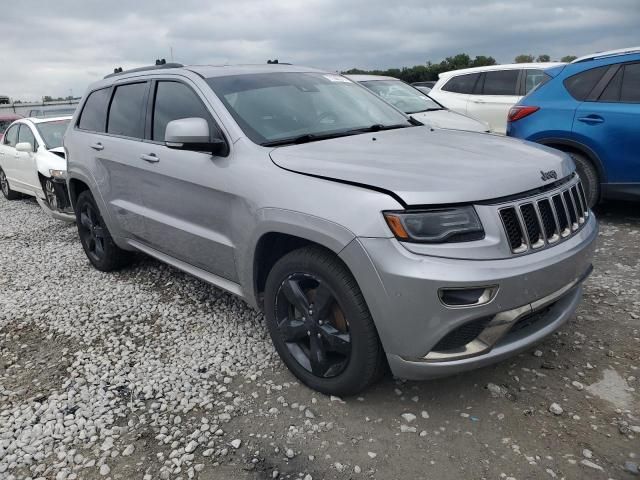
[341,313]
[95,237]
[588,177]
[6,189]
[50,193]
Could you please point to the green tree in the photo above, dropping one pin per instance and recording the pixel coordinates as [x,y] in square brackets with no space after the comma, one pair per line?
[568,58]
[524,58]
[543,58]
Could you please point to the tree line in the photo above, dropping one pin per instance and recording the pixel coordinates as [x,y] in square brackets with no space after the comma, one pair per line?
[430,71]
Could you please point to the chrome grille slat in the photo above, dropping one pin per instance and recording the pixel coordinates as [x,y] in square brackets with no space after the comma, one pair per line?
[543,221]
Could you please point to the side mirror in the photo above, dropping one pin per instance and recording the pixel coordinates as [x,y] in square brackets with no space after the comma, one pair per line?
[24,147]
[194,134]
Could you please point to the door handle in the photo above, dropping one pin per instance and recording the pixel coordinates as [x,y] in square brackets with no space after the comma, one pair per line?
[591,119]
[97,146]
[151,158]
[478,101]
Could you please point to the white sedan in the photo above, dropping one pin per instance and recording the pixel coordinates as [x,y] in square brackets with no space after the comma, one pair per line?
[32,162]
[417,104]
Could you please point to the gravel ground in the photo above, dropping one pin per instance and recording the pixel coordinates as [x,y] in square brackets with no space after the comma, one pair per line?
[149,373]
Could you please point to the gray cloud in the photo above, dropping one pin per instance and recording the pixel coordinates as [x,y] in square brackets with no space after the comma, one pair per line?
[50,48]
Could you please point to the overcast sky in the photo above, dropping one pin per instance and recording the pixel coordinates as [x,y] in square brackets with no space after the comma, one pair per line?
[54,47]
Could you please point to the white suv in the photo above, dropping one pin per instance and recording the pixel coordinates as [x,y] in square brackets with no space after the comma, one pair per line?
[487,93]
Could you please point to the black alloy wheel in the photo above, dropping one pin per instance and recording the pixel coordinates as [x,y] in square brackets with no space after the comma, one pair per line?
[91,232]
[313,325]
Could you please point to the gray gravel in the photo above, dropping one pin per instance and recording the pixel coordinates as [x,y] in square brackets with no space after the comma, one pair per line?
[149,373]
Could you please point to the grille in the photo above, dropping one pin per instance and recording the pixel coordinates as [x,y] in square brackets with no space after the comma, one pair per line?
[535,224]
[462,335]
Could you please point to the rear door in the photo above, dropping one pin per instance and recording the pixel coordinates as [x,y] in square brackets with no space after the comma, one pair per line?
[608,122]
[26,170]
[189,207]
[496,92]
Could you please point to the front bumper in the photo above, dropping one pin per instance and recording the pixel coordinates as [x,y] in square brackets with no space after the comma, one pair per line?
[401,289]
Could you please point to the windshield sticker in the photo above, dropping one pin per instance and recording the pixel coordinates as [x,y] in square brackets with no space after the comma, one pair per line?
[337,78]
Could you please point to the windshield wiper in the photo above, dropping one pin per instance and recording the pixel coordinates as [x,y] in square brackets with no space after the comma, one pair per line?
[433,109]
[314,137]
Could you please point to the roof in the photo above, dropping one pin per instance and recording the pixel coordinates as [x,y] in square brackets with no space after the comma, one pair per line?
[506,66]
[37,120]
[228,70]
[366,78]
[609,53]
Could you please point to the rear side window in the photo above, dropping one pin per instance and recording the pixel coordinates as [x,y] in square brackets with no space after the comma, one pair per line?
[174,100]
[11,137]
[461,83]
[631,84]
[501,82]
[126,114]
[581,84]
[26,135]
[94,113]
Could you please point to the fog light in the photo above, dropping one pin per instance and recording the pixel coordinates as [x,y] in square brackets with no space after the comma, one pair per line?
[467,296]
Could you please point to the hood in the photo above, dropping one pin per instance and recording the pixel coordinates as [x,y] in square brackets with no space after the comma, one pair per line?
[448,119]
[59,151]
[422,166]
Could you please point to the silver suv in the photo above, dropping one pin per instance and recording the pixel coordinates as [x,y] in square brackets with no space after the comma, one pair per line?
[366,238]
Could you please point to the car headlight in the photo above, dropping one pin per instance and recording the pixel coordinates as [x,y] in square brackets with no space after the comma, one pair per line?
[437,225]
[58,173]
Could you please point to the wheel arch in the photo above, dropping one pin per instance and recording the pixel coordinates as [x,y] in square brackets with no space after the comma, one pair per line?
[281,232]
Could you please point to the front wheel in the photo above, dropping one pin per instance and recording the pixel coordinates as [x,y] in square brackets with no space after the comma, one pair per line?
[95,237]
[50,194]
[6,189]
[320,324]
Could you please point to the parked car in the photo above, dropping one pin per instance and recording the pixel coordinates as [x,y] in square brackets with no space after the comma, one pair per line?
[52,111]
[487,93]
[363,235]
[6,120]
[32,162]
[413,102]
[591,110]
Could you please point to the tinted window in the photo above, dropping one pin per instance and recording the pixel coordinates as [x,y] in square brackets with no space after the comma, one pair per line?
[503,82]
[126,115]
[461,83]
[581,84]
[174,101]
[612,92]
[11,137]
[26,135]
[94,113]
[631,83]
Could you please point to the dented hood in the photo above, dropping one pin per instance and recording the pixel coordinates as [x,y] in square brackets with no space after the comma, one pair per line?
[422,166]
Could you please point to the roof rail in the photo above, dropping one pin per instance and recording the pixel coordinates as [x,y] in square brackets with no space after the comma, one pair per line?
[609,53]
[160,64]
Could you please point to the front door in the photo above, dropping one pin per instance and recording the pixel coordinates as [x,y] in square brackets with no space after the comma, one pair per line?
[26,172]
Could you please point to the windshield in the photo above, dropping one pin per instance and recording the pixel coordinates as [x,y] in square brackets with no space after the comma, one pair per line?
[52,132]
[402,96]
[271,107]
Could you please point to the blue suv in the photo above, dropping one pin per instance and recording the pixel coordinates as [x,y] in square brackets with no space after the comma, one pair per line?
[590,109]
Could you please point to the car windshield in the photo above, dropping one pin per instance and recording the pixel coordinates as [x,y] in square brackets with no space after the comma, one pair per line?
[52,132]
[273,108]
[402,96]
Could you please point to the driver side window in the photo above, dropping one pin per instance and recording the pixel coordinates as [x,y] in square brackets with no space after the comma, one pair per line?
[11,136]
[26,135]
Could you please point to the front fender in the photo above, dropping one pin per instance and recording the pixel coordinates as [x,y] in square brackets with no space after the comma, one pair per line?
[290,222]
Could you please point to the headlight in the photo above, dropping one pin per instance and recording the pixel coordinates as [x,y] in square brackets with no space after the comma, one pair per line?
[438,225]
[58,173]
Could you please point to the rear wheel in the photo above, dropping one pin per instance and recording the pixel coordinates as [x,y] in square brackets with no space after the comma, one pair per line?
[6,190]
[588,177]
[320,324]
[95,237]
